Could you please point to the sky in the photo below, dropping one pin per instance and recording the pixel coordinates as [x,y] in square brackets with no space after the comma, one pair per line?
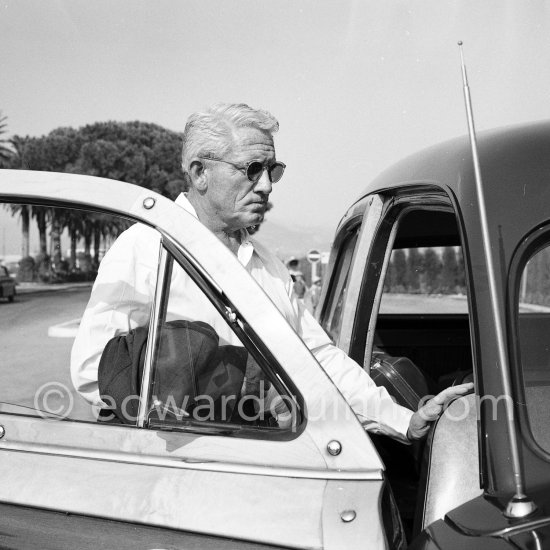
[355,84]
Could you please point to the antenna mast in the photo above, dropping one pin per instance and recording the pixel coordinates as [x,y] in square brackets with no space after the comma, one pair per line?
[520,505]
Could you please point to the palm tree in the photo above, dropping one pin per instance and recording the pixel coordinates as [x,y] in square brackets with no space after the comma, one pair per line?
[75,222]
[22,210]
[55,236]
[108,227]
[5,151]
[39,213]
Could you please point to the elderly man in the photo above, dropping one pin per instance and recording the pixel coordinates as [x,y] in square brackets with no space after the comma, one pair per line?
[230,165]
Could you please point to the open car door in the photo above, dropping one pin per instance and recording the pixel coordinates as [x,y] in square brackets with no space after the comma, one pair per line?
[315,481]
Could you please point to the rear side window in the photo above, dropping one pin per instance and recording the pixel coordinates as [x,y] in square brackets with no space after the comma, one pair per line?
[533,316]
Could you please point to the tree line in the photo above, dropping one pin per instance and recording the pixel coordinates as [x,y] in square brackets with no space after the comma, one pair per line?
[136,152]
[426,271]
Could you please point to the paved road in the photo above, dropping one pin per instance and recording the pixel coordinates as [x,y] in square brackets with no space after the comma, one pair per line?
[32,359]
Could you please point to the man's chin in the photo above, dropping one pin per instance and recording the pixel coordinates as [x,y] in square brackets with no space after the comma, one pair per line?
[258,219]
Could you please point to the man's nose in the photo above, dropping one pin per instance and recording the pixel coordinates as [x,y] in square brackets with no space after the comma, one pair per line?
[263,185]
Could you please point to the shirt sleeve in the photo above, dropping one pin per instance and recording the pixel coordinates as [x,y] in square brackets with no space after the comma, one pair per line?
[120,301]
[373,405]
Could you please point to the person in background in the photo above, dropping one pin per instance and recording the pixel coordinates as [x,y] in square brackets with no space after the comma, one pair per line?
[297,276]
[312,295]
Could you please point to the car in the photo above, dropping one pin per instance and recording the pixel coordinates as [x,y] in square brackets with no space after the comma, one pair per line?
[7,284]
[408,277]
[392,295]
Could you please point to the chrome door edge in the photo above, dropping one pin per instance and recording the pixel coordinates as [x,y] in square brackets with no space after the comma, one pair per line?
[179,462]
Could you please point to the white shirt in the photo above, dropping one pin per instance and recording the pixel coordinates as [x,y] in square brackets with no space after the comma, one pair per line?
[122,298]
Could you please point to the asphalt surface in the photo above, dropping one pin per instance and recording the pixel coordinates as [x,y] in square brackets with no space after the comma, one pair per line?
[34,371]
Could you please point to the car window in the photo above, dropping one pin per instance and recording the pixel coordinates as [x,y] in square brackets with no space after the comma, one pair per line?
[423,312]
[425,280]
[533,306]
[55,276]
[203,374]
[4,272]
[76,338]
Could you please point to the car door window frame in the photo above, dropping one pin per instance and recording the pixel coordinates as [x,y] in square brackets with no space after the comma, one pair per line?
[378,253]
[158,312]
[363,221]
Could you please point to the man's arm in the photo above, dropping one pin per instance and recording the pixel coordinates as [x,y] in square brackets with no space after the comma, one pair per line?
[372,404]
[120,301]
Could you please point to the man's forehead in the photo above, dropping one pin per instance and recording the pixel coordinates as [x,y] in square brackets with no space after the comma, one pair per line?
[252,141]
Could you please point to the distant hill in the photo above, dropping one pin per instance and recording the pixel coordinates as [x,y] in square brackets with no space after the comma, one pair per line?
[294,240]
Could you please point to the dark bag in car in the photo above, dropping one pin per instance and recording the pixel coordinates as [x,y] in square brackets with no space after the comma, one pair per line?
[401,377]
[190,368]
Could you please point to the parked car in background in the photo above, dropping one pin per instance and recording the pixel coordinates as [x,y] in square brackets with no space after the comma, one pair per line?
[7,284]
[170,481]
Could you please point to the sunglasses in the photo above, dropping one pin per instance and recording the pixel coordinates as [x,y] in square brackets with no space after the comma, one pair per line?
[255,169]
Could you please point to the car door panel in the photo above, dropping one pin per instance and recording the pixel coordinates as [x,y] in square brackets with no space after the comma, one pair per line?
[23,528]
[244,506]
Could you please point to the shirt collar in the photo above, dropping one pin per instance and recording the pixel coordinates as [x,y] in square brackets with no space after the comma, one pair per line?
[246,248]
[183,201]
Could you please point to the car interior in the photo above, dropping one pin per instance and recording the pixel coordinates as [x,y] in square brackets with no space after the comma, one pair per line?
[421,346]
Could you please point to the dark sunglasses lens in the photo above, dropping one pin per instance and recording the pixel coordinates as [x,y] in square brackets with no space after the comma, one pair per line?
[276,171]
[254,171]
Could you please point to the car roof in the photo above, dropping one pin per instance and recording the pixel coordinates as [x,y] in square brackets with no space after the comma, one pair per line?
[515,169]
[516,145]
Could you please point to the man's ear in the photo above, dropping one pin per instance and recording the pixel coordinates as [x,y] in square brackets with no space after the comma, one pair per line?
[197,174]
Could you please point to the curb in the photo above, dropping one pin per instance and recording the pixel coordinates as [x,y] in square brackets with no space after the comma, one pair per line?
[31,288]
[64,330]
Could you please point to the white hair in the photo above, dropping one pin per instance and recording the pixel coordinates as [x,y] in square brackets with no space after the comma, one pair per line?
[210,134]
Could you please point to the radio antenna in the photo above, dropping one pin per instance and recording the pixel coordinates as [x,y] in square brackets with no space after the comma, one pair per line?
[520,505]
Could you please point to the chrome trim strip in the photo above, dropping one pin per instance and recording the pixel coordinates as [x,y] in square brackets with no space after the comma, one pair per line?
[157,315]
[179,462]
[505,531]
[378,296]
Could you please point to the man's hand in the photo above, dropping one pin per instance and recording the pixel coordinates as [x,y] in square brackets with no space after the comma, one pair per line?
[422,419]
